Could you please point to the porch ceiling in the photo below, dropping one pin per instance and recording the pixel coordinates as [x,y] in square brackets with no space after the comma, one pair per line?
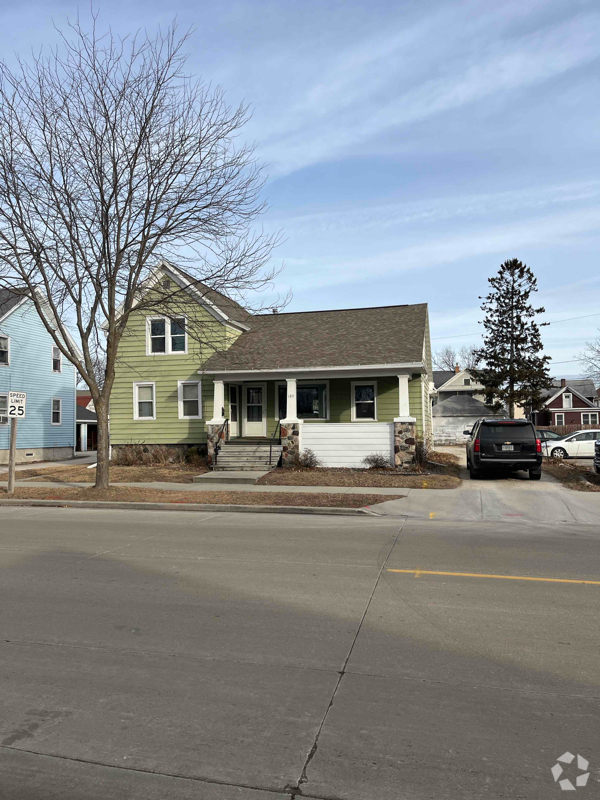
[359,370]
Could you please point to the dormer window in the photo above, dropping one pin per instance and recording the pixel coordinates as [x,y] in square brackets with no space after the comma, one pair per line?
[567,400]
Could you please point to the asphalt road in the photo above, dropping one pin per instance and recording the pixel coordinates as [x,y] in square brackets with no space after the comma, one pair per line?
[176,655]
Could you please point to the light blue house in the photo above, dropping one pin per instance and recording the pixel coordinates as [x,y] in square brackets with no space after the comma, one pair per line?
[30,362]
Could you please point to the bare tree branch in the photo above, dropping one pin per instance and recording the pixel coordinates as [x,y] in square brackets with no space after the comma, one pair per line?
[113,159]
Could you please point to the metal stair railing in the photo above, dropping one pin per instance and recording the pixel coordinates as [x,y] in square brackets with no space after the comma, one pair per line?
[276,431]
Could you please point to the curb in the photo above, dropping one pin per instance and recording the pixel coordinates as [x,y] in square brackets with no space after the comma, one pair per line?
[207,507]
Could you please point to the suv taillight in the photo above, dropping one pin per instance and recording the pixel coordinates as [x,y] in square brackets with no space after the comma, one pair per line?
[476,446]
[538,445]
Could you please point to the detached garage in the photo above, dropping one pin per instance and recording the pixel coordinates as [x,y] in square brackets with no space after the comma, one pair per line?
[346,445]
[457,414]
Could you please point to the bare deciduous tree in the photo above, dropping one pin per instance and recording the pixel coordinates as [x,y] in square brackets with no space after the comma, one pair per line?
[111,160]
[590,359]
[447,358]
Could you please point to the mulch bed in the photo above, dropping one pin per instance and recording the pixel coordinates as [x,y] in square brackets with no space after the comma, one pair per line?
[168,473]
[573,476]
[135,495]
[351,477]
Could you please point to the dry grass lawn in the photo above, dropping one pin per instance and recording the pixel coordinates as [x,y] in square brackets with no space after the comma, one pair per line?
[170,473]
[349,477]
[573,476]
[136,495]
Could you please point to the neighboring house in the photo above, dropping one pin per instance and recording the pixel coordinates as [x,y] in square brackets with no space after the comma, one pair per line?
[30,362]
[572,402]
[456,414]
[342,383]
[87,422]
[457,382]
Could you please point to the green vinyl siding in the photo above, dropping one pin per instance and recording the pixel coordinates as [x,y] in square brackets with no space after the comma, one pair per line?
[134,366]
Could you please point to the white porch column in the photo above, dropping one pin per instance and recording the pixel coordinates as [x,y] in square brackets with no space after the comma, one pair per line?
[83,437]
[291,413]
[218,404]
[403,405]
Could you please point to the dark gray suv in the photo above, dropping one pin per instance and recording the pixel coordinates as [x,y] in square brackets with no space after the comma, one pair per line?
[509,444]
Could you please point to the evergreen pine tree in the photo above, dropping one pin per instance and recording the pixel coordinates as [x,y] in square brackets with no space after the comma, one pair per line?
[513,372]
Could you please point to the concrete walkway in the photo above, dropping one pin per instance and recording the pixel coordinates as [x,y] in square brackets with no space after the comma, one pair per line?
[499,498]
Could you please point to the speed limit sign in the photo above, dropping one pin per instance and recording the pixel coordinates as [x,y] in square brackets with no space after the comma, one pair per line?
[16,404]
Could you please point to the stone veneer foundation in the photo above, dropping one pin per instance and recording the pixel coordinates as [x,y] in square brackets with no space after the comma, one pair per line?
[404,443]
[290,441]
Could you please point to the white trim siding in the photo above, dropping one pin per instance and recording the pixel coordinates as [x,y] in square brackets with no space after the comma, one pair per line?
[346,444]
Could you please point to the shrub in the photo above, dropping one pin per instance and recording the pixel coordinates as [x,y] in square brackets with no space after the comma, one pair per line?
[195,457]
[140,455]
[307,460]
[377,461]
[421,456]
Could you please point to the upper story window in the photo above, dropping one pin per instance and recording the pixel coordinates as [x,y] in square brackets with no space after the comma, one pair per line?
[56,360]
[4,351]
[567,401]
[467,381]
[165,336]
[3,409]
[364,401]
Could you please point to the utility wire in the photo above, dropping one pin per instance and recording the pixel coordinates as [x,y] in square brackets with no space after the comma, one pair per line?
[552,322]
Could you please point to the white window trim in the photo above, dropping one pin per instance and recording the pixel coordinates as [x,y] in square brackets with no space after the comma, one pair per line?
[564,397]
[180,385]
[3,336]
[306,381]
[354,384]
[60,356]
[52,399]
[556,419]
[5,394]
[167,321]
[136,386]
[590,414]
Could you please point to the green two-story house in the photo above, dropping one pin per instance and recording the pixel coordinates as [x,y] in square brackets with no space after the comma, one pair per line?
[343,383]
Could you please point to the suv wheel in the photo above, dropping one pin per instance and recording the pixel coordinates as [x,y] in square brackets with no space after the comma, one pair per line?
[559,452]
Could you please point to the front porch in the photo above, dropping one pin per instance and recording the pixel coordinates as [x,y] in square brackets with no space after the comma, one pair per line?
[342,417]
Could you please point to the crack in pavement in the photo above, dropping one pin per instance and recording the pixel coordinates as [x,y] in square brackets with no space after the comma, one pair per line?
[296,790]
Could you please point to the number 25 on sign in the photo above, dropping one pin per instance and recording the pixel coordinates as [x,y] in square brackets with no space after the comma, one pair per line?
[16,411]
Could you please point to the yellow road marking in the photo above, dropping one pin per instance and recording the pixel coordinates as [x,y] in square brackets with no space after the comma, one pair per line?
[418,572]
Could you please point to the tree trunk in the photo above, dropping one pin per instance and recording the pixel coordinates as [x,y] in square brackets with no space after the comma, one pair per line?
[102,479]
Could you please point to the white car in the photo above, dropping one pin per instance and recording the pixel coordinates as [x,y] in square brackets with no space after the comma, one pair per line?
[576,445]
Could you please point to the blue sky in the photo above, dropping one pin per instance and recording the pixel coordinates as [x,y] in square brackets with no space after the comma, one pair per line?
[411,146]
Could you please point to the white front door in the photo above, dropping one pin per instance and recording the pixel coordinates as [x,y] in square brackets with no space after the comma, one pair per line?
[234,409]
[254,409]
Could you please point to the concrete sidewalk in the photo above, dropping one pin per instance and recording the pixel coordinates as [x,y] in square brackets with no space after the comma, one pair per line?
[500,499]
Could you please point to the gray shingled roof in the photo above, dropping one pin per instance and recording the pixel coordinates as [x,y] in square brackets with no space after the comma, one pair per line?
[385,335]
[9,298]
[583,386]
[85,415]
[462,406]
[442,376]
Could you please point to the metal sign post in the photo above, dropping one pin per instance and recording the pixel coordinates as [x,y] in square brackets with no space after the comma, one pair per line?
[16,411]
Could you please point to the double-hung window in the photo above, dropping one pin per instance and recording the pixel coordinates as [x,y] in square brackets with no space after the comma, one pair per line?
[144,401]
[589,419]
[364,401]
[4,351]
[560,419]
[56,360]
[3,409]
[56,411]
[189,400]
[166,335]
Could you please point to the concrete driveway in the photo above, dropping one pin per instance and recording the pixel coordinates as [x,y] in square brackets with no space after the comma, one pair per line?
[161,655]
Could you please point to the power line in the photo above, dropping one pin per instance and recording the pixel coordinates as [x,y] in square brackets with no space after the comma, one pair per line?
[552,322]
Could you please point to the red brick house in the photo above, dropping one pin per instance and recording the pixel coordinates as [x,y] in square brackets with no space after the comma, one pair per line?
[572,403]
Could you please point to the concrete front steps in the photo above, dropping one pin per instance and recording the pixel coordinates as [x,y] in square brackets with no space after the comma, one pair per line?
[252,455]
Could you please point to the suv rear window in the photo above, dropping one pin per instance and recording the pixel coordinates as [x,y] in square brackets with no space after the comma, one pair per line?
[512,430]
